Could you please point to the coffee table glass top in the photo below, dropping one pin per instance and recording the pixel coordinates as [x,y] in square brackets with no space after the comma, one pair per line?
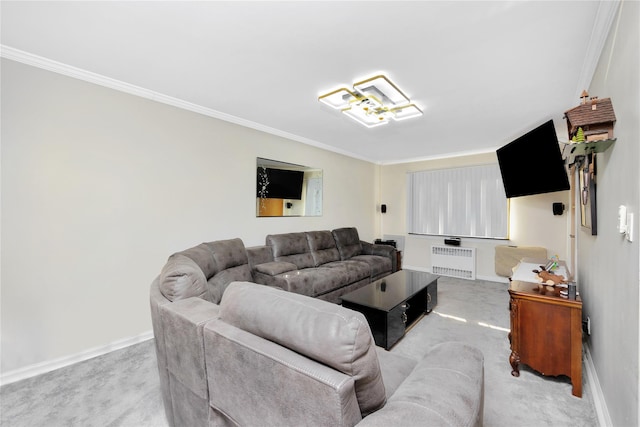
[388,292]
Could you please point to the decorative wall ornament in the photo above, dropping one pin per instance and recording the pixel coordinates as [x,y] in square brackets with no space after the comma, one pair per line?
[592,120]
[263,183]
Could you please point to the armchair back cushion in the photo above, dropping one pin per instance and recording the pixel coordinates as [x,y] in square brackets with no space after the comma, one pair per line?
[325,332]
[348,242]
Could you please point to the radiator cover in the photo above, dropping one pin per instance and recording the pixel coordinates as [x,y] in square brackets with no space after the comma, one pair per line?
[454,261]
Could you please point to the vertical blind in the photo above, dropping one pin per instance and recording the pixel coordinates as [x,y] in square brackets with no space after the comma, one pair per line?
[465,202]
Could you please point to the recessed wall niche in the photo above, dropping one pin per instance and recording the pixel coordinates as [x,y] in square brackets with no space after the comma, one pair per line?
[286,189]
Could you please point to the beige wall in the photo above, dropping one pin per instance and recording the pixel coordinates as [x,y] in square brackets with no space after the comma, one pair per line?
[608,264]
[532,222]
[99,187]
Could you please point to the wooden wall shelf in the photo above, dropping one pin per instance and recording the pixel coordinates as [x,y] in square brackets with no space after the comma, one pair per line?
[575,150]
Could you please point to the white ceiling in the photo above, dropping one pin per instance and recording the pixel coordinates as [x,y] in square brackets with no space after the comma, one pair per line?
[483,72]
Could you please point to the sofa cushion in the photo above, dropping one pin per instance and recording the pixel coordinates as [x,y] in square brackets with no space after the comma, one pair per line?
[182,278]
[323,247]
[445,388]
[274,268]
[325,332]
[378,264]
[352,270]
[348,242]
[228,253]
[315,281]
[291,247]
[395,369]
[256,382]
[218,283]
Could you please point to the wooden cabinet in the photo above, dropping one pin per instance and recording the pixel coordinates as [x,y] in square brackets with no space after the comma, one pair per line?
[546,332]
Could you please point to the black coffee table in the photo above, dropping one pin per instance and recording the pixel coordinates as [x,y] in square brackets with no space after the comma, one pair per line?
[394,303]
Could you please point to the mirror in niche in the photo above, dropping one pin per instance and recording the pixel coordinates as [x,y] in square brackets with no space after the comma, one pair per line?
[285,189]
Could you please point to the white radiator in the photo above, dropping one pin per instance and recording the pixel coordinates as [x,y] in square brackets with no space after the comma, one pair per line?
[454,261]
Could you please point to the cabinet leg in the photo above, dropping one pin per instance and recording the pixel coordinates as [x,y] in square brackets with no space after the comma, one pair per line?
[576,389]
[514,360]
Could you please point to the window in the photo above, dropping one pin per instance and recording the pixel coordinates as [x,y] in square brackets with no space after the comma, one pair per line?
[464,202]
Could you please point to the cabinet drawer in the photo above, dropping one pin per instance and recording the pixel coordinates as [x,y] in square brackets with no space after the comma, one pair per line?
[396,323]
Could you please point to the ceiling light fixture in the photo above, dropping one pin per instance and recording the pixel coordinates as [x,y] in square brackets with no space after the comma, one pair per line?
[372,102]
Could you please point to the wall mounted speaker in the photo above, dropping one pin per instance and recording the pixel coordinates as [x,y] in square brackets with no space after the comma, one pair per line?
[558,208]
[383,208]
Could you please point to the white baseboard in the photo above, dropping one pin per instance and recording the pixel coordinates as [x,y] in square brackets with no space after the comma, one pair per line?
[51,365]
[493,278]
[410,267]
[604,419]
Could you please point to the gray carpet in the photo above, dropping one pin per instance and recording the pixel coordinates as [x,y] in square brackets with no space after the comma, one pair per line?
[122,388]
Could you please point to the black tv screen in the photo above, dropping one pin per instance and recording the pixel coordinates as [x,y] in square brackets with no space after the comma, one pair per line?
[282,183]
[533,164]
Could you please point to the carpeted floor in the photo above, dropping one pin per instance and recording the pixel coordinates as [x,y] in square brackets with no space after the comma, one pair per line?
[122,388]
[477,312]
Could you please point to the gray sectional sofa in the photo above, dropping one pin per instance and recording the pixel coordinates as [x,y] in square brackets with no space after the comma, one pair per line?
[320,264]
[234,352]
[267,357]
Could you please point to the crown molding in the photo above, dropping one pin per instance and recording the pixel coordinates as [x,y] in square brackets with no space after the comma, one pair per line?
[605,16]
[441,156]
[98,79]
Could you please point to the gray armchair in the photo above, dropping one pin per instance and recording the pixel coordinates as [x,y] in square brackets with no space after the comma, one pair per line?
[275,358]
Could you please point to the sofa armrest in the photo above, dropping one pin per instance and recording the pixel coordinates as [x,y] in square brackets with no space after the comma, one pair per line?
[381,250]
[275,267]
[182,324]
[259,255]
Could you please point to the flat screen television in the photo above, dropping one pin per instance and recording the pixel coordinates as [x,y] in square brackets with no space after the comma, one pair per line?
[533,164]
[282,183]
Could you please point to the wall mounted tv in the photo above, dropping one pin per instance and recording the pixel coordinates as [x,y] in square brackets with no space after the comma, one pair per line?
[533,164]
[283,183]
